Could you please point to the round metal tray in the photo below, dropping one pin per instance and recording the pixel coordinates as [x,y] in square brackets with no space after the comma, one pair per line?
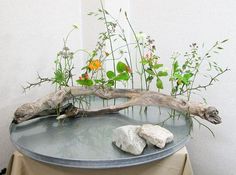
[86,142]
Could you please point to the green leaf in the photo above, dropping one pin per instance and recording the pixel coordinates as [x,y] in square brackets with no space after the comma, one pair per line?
[149,71]
[99,81]
[84,68]
[110,74]
[221,70]
[185,81]
[178,76]
[124,76]
[171,78]
[110,83]
[224,41]
[149,78]
[175,66]
[144,61]
[159,84]
[162,73]
[157,66]
[186,78]
[106,12]
[85,82]
[121,67]
[76,26]
[59,76]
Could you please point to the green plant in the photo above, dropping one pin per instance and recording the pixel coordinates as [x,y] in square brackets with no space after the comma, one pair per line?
[122,75]
[63,67]
[151,65]
[90,77]
[180,77]
[114,33]
[186,69]
[141,73]
[183,76]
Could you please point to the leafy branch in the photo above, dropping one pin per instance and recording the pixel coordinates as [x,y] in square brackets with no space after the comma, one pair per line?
[124,38]
[63,68]
[210,83]
[183,76]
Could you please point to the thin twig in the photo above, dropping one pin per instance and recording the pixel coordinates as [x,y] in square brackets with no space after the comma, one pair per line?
[109,37]
[210,83]
[202,124]
[138,45]
[127,46]
[41,80]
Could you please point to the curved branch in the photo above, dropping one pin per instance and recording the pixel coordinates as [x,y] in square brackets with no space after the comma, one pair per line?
[136,98]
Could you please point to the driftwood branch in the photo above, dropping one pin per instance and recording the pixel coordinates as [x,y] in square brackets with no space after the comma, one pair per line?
[136,98]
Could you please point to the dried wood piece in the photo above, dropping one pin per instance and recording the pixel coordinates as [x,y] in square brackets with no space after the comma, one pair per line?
[136,98]
[49,102]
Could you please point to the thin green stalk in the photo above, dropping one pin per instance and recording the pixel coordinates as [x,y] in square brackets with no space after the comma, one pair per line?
[139,73]
[202,124]
[159,106]
[127,46]
[139,49]
[172,93]
[109,37]
[82,50]
[66,39]
[117,49]
[197,70]
[141,80]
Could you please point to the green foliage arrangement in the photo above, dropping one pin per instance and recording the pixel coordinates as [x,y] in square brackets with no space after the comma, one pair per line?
[145,64]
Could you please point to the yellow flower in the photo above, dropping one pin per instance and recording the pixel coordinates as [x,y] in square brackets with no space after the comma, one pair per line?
[95,64]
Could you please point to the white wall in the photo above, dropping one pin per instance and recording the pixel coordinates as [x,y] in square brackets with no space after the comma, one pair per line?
[31,33]
[176,24]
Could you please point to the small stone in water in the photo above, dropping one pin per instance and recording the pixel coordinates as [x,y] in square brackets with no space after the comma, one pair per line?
[127,139]
[156,135]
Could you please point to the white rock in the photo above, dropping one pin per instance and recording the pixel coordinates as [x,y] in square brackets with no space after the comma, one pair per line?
[127,139]
[156,135]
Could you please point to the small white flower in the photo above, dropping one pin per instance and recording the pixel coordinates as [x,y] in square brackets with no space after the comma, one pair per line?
[141,36]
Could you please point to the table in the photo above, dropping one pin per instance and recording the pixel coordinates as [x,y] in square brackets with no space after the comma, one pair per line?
[177,164]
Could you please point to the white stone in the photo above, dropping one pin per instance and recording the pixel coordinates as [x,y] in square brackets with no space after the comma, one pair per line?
[127,139]
[156,135]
